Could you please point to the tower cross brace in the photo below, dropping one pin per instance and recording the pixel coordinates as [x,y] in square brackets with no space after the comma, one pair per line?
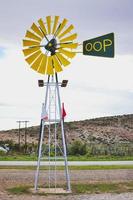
[52,133]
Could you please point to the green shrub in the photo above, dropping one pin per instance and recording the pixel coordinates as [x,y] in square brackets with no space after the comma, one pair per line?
[2,153]
[77,148]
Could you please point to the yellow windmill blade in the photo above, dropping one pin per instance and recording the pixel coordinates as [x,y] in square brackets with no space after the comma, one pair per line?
[49,55]
[69,38]
[35,28]
[56,20]
[48,20]
[32,57]
[50,70]
[69,54]
[30,51]
[71,27]
[35,65]
[43,65]
[30,43]
[62,59]
[42,26]
[32,36]
[56,63]
[61,26]
[69,45]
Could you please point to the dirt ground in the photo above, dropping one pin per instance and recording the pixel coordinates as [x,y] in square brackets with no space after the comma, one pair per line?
[13,177]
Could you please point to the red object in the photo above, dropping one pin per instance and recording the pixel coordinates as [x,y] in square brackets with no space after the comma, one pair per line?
[63,111]
[44,115]
[45,118]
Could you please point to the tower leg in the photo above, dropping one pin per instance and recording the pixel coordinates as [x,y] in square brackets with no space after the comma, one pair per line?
[63,138]
[41,141]
[39,157]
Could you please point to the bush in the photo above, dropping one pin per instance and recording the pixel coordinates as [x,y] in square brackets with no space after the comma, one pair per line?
[118,149]
[2,153]
[77,148]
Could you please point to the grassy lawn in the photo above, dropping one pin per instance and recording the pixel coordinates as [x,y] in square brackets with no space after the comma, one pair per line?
[84,188]
[70,158]
[99,158]
[93,167]
[102,188]
[19,190]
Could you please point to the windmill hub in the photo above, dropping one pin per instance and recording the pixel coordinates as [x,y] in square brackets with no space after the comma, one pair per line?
[51,46]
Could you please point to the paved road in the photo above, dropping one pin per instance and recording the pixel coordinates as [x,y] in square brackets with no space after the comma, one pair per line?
[61,163]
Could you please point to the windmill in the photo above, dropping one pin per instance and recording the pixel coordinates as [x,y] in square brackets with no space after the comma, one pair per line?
[48,47]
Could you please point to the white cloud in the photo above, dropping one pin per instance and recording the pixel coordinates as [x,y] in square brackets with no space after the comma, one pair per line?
[97,87]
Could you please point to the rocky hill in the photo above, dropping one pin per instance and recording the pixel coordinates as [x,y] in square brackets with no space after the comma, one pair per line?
[99,130]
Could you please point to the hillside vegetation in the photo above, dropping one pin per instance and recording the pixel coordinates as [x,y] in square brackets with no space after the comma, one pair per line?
[100,136]
[99,130]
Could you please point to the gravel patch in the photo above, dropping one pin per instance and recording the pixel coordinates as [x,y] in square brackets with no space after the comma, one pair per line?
[123,196]
[13,177]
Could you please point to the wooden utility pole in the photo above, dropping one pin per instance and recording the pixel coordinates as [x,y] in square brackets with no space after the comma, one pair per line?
[19,137]
[25,134]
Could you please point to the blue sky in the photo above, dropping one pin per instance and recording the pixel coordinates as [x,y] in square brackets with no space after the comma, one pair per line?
[2,52]
[97,86]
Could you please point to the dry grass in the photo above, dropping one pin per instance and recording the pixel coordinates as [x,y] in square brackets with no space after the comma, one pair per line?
[83,188]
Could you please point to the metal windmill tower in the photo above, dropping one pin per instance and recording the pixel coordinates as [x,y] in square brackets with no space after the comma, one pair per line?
[49,45]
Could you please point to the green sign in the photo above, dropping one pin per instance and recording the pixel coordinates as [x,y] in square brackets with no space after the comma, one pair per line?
[101,46]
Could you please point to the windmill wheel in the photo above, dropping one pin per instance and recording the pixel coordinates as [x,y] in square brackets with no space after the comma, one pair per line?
[49,46]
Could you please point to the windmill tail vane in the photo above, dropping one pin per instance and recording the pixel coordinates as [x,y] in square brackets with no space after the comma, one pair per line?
[101,46]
